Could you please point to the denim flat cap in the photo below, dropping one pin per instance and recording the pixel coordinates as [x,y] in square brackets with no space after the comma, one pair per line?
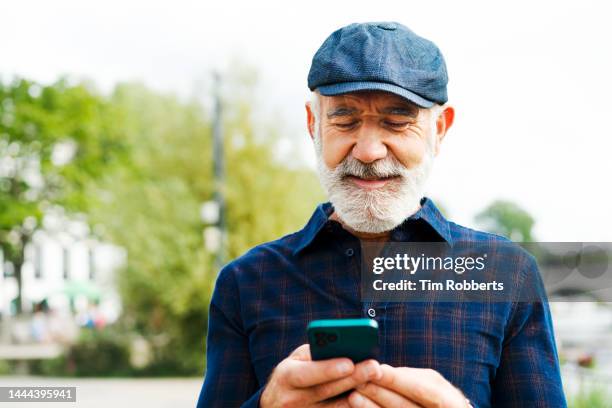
[385,56]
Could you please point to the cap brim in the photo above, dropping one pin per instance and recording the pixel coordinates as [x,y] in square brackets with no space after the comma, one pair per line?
[346,87]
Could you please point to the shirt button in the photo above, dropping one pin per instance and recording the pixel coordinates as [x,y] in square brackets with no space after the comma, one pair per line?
[371,312]
[349,252]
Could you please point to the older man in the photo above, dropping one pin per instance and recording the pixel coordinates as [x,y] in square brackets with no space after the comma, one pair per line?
[377,118]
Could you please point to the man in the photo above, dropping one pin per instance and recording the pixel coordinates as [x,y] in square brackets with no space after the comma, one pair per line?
[377,119]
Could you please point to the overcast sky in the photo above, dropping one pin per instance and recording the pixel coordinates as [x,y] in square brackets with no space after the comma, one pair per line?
[530,81]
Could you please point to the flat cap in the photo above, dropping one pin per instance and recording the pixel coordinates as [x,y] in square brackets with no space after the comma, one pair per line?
[385,56]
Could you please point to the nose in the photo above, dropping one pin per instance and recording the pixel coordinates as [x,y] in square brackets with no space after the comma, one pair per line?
[369,147]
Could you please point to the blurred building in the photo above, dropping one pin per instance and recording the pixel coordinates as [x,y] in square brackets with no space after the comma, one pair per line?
[65,271]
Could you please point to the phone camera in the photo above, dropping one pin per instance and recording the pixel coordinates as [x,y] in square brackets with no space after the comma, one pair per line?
[323,338]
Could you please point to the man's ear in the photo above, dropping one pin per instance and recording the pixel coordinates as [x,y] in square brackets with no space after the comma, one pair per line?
[310,119]
[444,122]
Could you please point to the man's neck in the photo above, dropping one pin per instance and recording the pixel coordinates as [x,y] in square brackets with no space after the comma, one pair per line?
[380,236]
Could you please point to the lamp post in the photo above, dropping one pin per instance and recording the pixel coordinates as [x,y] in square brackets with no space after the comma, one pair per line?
[209,213]
[213,212]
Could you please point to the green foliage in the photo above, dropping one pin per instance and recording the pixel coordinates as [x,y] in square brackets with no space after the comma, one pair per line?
[5,368]
[508,219]
[150,205]
[591,398]
[35,119]
[141,169]
[96,353]
[35,123]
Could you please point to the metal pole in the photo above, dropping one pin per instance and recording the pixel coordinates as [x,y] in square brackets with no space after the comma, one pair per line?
[218,169]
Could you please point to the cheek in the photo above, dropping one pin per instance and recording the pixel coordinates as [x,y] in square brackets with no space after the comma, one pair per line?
[410,152]
[335,149]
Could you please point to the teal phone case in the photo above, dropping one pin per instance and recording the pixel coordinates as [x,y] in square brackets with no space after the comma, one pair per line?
[356,339]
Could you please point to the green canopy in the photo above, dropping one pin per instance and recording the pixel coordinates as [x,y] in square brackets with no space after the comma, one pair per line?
[77,287]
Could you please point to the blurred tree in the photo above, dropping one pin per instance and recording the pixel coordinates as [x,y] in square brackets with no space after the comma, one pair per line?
[54,140]
[150,205]
[441,206]
[508,219]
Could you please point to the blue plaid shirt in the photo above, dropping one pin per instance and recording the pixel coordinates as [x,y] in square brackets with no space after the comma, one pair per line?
[499,354]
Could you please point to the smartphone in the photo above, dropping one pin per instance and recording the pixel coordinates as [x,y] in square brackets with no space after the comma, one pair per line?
[356,339]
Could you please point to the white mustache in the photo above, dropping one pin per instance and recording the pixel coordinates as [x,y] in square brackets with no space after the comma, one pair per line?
[382,168]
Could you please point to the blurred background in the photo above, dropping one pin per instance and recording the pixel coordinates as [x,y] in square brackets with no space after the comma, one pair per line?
[145,144]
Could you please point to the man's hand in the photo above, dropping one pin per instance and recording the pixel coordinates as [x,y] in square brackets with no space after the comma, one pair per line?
[297,381]
[408,387]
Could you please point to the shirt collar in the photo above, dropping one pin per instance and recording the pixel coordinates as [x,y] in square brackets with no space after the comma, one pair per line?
[434,218]
[428,212]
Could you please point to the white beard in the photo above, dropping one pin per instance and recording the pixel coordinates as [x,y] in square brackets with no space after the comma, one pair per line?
[379,209]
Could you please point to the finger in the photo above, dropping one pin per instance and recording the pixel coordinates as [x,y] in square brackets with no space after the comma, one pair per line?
[301,353]
[364,371]
[357,400]
[385,397]
[302,398]
[370,370]
[420,385]
[336,403]
[302,374]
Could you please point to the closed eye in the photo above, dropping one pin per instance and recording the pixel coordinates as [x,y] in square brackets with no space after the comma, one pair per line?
[348,125]
[397,124]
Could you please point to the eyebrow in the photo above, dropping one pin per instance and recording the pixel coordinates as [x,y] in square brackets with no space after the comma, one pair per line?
[391,110]
[341,111]
[399,110]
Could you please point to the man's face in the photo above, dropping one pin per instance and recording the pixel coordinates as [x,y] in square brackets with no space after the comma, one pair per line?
[375,151]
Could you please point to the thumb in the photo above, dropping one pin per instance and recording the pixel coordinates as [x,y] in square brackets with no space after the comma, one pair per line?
[301,353]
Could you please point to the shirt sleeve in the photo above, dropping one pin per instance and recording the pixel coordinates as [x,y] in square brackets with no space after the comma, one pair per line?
[528,374]
[229,380]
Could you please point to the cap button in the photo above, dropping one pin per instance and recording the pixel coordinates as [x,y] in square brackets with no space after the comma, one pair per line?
[387,26]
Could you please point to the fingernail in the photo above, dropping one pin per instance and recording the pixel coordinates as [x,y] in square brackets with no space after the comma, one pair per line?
[358,399]
[372,371]
[343,368]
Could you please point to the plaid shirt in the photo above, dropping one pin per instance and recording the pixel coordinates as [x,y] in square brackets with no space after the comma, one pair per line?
[498,354]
